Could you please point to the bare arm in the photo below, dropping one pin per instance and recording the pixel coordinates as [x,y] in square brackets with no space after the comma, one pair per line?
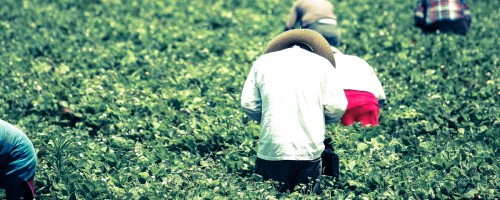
[420,13]
[293,18]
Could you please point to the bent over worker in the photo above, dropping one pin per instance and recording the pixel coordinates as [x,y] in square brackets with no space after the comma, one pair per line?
[362,88]
[316,15]
[17,163]
[293,91]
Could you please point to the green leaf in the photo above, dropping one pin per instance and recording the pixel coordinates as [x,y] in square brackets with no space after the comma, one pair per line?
[448,185]
[471,193]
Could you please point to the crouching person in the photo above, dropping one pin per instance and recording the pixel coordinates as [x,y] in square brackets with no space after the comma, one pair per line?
[445,16]
[316,15]
[293,90]
[17,163]
[362,88]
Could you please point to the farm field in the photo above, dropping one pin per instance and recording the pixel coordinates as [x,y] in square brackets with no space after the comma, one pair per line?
[139,99]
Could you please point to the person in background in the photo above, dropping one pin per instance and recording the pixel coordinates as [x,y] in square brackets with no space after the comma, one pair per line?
[293,90]
[17,163]
[362,88]
[443,16]
[315,15]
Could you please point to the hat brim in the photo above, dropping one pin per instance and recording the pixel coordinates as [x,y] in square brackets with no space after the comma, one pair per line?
[311,38]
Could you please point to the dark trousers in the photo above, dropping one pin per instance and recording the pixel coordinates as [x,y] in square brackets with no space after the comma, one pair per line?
[15,191]
[460,26]
[291,173]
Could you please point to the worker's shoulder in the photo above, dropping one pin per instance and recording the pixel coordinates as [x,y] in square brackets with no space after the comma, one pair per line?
[9,130]
[350,58]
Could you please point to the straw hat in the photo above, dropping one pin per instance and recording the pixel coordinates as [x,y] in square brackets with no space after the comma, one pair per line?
[310,38]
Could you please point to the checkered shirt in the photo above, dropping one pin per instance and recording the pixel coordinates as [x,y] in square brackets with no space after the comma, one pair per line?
[431,11]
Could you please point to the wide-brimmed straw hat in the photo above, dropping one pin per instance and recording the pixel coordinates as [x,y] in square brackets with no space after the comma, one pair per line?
[314,40]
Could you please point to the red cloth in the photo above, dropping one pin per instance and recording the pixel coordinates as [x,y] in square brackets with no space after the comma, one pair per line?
[361,107]
[31,185]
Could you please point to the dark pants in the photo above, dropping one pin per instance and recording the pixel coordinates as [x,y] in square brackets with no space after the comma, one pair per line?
[329,31]
[15,191]
[460,26]
[291,173]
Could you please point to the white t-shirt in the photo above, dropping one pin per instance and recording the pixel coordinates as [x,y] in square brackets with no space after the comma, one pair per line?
[291,92]
[357,74]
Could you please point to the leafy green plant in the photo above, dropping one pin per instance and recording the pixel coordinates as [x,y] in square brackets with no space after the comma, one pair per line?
[129,99]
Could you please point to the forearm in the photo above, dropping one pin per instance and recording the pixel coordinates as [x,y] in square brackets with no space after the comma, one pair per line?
[254,114]
[419,15]
[292,19]
[335,101]
[251,102]
[334,115]
[336,108]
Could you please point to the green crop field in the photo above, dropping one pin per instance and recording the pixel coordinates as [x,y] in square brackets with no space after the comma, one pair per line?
[139,99]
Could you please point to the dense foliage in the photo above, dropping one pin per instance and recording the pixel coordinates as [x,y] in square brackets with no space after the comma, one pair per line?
[139,99]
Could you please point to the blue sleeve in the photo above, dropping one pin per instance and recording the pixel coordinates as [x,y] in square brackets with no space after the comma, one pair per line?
[17,154]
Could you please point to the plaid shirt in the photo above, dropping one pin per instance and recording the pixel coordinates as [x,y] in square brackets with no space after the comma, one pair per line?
[430,11]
